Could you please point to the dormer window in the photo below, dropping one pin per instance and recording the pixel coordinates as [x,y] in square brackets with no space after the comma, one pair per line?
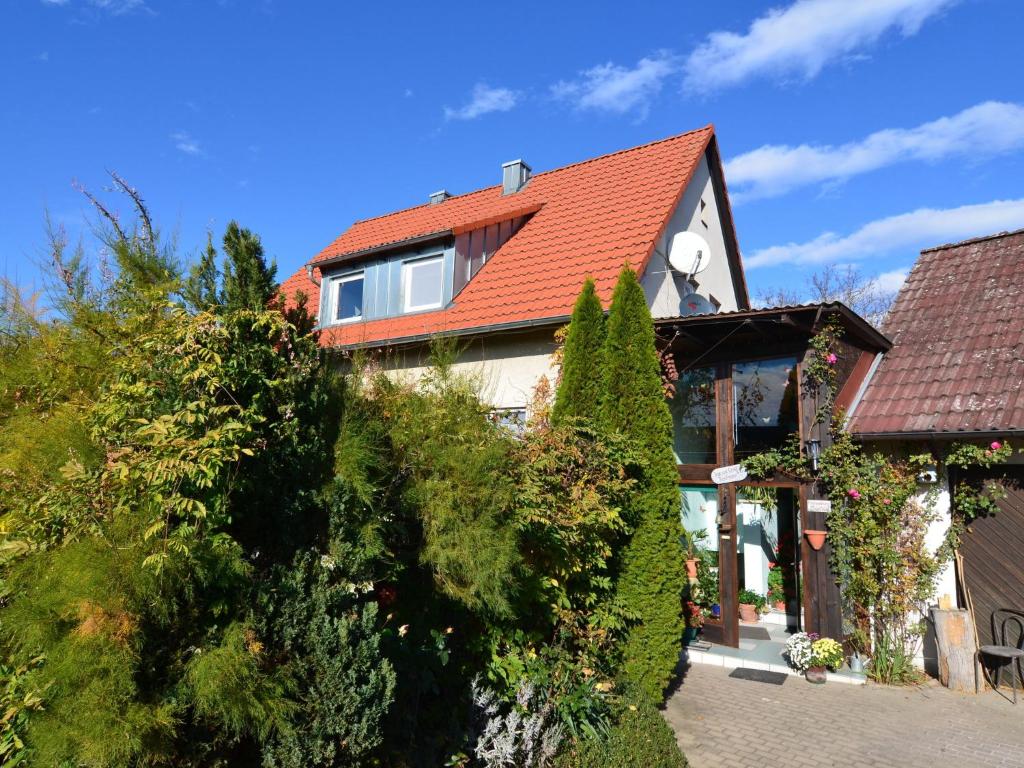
[422,283]
[347,298]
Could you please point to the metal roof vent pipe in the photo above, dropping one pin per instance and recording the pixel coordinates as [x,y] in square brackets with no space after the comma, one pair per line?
[514,175]
[439,197]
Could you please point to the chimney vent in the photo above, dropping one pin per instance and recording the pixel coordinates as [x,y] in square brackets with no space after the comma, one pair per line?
[514,175]
[439,197]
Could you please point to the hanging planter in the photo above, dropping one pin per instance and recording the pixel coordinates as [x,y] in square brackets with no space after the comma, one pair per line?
[815,538]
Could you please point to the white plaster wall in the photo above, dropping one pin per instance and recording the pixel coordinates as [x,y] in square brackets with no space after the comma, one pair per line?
[946,583]
[505,367]
[665,289]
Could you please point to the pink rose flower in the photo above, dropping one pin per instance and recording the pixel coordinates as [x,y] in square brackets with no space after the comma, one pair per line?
[887,501]
[996,445]
[853,494]
[831,359]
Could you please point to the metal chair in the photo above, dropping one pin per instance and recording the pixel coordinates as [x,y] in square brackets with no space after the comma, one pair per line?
[1006,654]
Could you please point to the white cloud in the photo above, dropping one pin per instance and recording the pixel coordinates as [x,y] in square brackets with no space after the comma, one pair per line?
[990,128]
[909,231]
[113,7]
[802,38]
[184,142]
[484,100]
[890,282]
[614,88]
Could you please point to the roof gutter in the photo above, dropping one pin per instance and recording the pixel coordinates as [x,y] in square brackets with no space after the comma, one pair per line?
[517,325]
[933,435]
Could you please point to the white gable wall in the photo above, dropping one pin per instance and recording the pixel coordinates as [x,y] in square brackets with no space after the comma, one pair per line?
[665,288]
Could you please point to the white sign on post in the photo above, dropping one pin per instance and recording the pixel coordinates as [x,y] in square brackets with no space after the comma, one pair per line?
[731,474]
[819,505]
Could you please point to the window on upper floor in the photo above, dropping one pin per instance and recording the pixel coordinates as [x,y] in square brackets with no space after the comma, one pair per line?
[422,283]
[347,298]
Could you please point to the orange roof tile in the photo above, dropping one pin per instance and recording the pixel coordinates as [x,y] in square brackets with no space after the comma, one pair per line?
[591,217]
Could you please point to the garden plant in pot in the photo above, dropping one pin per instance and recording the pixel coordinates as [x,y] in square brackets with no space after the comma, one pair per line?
[750,604]
[811,654]
[694,553]
[776,587]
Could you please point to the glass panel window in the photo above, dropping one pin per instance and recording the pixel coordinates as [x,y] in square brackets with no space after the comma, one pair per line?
[512,419]
[699,514]
[422,283]
[764,404]
[348,298]
[693,417]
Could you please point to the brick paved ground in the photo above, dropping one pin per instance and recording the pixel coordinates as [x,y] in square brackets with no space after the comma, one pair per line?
[723,722]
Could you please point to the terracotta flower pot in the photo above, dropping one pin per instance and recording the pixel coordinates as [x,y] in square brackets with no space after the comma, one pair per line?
[691,569]
[779,605]
[748,613]
[815,675]
[815,538]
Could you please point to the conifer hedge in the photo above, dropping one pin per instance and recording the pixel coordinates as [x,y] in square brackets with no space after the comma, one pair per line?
[652,568]
[579,391]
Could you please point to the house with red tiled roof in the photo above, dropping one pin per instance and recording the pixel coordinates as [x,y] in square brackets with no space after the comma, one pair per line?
[955,373]
[500,267]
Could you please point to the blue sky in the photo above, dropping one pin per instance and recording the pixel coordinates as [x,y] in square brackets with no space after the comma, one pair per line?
[854,132]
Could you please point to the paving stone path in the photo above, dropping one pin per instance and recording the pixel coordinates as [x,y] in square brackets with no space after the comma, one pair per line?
[722,722]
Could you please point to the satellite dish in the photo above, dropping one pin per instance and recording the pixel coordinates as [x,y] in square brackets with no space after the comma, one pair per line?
[695,304]
[689,253]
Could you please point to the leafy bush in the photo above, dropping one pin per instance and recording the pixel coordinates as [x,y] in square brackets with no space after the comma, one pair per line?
[640,738]
[344,684]
[521,734]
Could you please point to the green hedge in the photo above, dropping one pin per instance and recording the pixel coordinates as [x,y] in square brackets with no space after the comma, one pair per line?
[639,739]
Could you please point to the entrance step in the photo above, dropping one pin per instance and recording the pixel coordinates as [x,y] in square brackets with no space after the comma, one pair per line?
[730,658]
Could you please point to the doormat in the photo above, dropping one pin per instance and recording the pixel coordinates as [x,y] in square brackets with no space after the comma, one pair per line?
[754,633]
[759,676]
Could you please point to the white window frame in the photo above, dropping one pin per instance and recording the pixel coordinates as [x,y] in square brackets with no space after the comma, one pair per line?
[336,283]
[407,268]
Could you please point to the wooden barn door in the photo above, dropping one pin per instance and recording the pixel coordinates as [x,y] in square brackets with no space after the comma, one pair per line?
[993,551]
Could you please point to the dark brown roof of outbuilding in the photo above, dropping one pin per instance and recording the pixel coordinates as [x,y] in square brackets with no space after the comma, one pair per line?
[957,361]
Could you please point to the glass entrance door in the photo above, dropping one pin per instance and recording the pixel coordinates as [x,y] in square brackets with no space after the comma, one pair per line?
[768,552]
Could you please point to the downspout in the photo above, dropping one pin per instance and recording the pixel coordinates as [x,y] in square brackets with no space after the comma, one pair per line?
[309,274]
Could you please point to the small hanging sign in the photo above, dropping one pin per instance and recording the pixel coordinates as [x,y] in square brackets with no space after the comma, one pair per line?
[819,505]
[731,474]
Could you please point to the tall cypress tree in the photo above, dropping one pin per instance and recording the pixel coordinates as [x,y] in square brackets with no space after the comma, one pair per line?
[652,573]
[249,283]
[579,391]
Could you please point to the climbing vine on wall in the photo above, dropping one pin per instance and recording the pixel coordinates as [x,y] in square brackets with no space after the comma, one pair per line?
[880,511]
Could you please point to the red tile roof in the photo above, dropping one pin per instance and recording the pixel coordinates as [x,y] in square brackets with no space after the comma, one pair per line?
[588,219]
[957,362]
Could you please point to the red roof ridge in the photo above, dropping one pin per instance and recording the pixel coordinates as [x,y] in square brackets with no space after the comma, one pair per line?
[709,126]
[972,240]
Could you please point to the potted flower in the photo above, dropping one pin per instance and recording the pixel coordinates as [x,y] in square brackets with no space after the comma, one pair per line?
[691,556]
[776,587]
[694,616]
[750,604]
[811,654]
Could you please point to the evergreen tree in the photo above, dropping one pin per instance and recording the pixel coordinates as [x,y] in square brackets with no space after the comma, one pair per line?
[579,390]
[248,282]
[652,570]
[200,290]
